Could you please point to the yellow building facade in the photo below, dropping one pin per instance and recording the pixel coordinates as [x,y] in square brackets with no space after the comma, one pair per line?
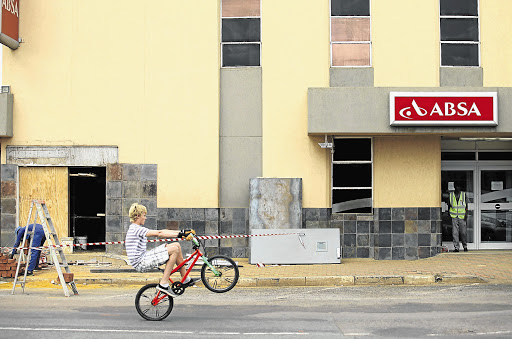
[152,103]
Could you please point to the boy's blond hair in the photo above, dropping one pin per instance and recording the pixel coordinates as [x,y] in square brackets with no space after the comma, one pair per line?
[136,211]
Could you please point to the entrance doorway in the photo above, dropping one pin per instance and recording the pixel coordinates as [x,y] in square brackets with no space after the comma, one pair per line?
[488,189]
[87,187]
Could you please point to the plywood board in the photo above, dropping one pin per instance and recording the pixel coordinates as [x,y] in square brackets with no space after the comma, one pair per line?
[51,185]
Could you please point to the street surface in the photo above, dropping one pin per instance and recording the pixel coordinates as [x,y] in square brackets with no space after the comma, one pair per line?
[476,311]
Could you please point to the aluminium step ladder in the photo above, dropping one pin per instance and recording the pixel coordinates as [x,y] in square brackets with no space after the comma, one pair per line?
[53,245]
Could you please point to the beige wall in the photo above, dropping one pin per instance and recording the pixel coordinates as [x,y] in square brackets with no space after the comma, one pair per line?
[407,171]
[405,40]
[496,49]
[144,77]
[295,35]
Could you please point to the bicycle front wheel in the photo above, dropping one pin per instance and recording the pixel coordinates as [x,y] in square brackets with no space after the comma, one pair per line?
[152,304]
[228,274]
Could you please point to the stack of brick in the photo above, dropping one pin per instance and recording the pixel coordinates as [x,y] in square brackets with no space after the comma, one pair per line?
[8,267]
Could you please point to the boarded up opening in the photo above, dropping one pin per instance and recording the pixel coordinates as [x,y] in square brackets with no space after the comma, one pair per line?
[87,187]
[51,185]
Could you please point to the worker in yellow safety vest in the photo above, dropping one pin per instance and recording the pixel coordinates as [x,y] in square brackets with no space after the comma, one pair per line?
[458,212]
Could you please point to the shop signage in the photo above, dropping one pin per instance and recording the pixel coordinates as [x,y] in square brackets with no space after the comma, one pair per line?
[443,108]
[9,23]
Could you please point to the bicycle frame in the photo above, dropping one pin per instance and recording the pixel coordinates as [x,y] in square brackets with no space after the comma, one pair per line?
[196,255]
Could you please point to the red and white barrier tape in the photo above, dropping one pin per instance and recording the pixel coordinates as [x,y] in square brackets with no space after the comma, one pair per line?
[203,237]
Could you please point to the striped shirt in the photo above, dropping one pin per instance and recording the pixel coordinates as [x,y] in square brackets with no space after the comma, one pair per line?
[135,243]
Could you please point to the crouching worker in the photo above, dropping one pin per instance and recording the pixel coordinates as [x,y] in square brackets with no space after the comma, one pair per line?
[168,254]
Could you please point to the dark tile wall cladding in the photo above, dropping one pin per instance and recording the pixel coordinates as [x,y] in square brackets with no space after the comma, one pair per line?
[388,233]
[9,177]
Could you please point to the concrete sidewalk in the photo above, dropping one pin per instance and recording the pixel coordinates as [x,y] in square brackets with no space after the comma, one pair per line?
[493,267]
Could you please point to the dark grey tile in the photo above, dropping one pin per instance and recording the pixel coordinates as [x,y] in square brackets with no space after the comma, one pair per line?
[312,224]
[349,216]
[197,214]
[423,252]
[162,214]
[150,204]
[184,214]
[411,213]
[9,172]
[363,240]
[349,226]
[148,189]
[239,214]
[184,224]
[311,214]
[433,240]
[131,172]
[385,253]
[435,213]
[211,214]
[411,253]
[363,252]
[131,189]
[199,227]
[397,226]
[226,214]
[239,252]
[363,227]
[8,206]
[397,240]
[411,240]
[384,214]
[149,172]
[114,206]
[398,214]
[114,224]
[424,213]
[151,223]
[226,227]
[435,251]
[172,214]
[349,252]
[398,253]
[212,228]
[323,214]
[337,224]
[424,226]
[323,224]
[384,240]
[114,189]
[384,226]
[423,239]
[239,226]
[349,240]
[226,251]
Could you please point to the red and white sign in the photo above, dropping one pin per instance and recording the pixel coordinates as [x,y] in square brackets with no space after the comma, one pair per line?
[443,108]
[9,23]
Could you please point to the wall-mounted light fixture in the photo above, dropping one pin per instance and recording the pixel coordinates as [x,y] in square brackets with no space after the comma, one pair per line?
[6,89]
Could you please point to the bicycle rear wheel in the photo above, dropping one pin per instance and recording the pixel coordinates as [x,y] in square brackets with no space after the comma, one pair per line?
[228,278]
[152,304]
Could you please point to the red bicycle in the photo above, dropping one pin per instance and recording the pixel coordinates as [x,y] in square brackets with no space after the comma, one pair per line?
[219,274]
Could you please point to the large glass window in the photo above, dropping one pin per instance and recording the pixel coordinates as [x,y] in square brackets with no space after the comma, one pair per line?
[241,33]
[460,37]
[350,33]
[352,175]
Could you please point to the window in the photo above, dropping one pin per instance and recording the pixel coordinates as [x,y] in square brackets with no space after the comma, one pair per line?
[241,33]
[350,33]
[352,176]
[460,37]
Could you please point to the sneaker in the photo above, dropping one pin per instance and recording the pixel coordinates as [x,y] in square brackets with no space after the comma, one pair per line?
[455,250]
[465,249]
[167,290]
[192,282]
[30,272]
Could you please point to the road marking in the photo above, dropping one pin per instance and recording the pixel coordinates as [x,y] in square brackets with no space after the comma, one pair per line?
[147,331]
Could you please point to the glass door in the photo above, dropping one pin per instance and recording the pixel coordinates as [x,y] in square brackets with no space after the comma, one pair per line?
[495,207]
[465,176]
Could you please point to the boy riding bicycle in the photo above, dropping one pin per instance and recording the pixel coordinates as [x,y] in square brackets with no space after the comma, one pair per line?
[168,254]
